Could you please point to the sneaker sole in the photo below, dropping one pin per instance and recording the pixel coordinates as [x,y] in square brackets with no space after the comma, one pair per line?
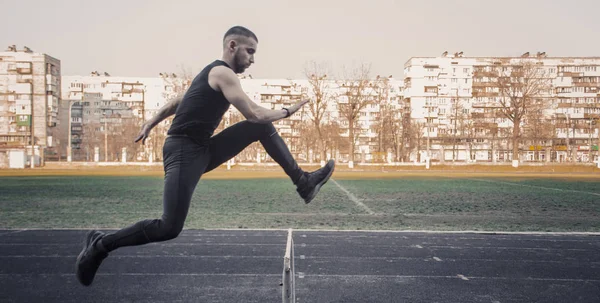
[319,185]
[86,243]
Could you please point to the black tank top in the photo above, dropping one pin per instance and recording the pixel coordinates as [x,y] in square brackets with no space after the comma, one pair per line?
[202,108]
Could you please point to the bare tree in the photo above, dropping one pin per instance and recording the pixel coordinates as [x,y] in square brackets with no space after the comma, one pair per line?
[386,117]
[308,138]
[492,130]
[468,132]
[355,94]
[416,139]
[331,132]
[320,89]
[396,132]
[457,118]
[537,127]
[92,137]
[385,128]
[120,135]
[405,135]
[519,86]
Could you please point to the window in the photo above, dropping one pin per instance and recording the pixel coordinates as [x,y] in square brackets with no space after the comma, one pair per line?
[454,80]
[465,70]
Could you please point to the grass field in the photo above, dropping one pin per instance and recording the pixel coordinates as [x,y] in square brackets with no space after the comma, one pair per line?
[525,201]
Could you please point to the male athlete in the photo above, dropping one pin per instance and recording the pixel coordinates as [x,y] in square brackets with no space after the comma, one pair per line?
[191,150]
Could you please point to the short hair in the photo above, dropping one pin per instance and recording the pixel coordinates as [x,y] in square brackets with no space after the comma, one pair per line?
[241,31]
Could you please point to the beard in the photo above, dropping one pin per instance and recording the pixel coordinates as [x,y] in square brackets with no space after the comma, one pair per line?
[240,65]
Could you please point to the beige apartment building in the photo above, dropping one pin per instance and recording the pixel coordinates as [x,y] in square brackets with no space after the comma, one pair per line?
[456,103]
[29,100]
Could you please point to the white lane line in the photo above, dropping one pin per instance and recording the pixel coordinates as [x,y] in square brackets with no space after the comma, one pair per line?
[354,199]
[463,277]
[303,257]
[329,245]
[302,275]
[535,186]
[201,233]
[499,237]
[454,277]
[143,256]
[142,274]
[153,244]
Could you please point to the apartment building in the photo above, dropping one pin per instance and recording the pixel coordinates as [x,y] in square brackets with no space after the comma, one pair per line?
[298,131]
[455,104]
[101,105]
[100,101]
[29,99]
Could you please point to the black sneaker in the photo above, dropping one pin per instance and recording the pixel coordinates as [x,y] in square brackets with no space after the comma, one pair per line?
[90,258]
[311,183]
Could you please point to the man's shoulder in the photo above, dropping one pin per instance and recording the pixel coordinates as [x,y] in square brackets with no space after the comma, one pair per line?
[215,64]
[221,72]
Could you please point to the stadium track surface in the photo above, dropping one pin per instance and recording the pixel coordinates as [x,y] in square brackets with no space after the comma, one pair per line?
[331,266]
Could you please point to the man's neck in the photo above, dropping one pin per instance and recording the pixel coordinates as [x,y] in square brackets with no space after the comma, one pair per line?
[227,60]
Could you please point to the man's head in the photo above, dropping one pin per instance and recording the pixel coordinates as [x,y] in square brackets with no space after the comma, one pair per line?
[239,45]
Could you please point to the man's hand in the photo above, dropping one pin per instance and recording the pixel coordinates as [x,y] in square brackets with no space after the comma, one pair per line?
[294,108]
[144,132]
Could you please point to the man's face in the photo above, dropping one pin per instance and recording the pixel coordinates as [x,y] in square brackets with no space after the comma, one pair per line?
[244,54]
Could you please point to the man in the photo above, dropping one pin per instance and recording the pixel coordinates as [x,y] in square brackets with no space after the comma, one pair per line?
[191,150]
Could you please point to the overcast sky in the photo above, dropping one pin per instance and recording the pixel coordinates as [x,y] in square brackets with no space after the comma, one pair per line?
[143,38]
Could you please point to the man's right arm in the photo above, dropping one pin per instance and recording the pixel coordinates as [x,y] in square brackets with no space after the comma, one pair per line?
[224,80]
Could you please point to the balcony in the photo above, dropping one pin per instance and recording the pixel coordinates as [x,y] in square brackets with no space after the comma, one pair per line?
[51,89]
[21,88]
[586,84]
[570,74]
[23,67]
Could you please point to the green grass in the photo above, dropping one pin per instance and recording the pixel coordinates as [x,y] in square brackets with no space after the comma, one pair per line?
[416,202]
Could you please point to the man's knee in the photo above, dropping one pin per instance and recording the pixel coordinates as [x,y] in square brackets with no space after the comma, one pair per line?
[262,129]
[170,231]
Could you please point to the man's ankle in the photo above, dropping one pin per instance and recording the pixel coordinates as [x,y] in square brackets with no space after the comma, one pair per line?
[300,179]
[99,246]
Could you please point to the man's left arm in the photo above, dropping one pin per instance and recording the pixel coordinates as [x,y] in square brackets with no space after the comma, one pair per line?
[166,111]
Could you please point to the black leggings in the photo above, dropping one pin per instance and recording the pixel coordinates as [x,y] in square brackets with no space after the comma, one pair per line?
[185,160]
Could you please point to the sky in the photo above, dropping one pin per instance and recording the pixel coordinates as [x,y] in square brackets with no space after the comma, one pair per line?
[141,38]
